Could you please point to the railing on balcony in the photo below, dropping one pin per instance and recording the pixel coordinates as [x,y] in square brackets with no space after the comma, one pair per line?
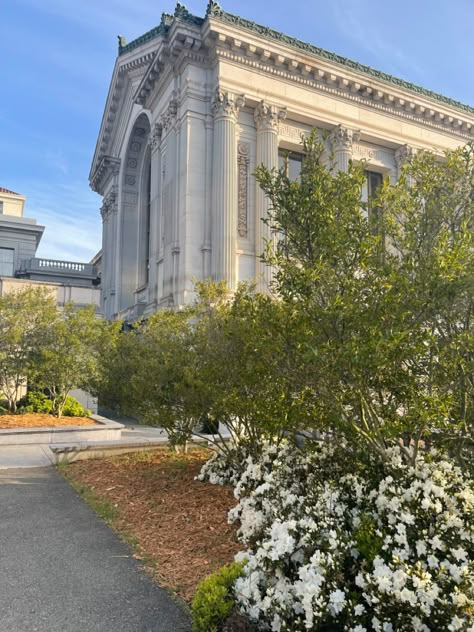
[55,266]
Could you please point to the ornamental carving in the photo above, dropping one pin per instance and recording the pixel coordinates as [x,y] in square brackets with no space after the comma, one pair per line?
[226,105]
[135,146]
[214,9]
[403,154]
[109,204]
[168,118]
[341,138]
[267,117]
[155,136]
[243,188]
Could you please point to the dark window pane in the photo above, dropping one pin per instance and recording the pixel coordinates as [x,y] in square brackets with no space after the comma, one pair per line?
[294,166]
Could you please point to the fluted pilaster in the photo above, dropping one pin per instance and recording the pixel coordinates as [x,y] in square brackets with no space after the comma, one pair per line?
[267,118]
[224,235]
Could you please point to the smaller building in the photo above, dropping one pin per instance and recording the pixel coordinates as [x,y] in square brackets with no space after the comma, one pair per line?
[19,266]
[19,236]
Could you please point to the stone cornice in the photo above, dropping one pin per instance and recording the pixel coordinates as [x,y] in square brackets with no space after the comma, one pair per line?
[181,14]
[107,168]
[324,81]
[215,12]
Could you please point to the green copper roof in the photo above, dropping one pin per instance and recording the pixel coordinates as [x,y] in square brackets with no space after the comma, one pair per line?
[215,11]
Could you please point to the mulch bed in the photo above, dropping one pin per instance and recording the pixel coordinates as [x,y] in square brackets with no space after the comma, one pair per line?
[41,420]
[178,525]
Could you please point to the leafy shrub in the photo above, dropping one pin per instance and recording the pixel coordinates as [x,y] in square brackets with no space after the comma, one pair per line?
[73,408]
[214,600]
[337,542]
[35,402]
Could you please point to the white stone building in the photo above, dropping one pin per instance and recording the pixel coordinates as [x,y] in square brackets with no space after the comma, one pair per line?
[194,106]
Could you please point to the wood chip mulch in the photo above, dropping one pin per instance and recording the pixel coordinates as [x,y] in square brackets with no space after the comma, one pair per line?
[41,420]
[178,525]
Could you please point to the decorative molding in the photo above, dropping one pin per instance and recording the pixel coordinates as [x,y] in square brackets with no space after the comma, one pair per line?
[379,100]
[109,167]
[168,118]
[342,138]
[109,204]
[403,154]
[226,105]
[243,186]
[267,117]
[155,136]
[181,14]
[367,153]
[216,12]
[292,132]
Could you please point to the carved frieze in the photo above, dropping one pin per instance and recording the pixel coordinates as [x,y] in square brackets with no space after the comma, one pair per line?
[342,138]
[292,132]
[243,188]
[268,117]
[226,104]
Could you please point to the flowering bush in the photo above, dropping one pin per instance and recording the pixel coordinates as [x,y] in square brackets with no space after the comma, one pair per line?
[377,550]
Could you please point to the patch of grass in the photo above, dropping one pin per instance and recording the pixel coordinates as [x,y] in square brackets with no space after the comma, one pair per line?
[102,507]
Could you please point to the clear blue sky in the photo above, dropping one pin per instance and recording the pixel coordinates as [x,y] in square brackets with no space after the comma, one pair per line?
[57,57]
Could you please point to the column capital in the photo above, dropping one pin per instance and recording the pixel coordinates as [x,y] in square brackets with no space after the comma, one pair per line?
[155,136]
[403,154]
[342,138]
[227,105]
[109,204]
[267,117]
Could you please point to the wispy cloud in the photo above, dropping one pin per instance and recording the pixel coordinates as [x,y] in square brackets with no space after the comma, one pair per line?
[359,23]
[71,217]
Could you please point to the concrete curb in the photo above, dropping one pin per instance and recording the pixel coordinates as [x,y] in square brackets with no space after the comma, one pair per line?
[106,429]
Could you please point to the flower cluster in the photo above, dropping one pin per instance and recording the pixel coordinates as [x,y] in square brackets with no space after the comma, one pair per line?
[377,550]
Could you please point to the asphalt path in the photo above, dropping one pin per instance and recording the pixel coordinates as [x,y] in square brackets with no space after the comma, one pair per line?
[63,570]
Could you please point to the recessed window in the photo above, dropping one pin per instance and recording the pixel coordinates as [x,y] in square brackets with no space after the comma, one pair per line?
[6,261]
[1,207]
[290,162]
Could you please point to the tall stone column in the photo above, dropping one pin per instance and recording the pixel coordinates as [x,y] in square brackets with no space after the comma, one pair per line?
[267,118]
[224,183]
[155,186]
[341,139]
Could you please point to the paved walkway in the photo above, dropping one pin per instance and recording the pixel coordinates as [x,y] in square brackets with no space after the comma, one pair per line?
[63,570]
[20,456]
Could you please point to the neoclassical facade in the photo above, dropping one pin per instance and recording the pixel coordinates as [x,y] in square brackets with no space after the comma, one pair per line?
[194,106]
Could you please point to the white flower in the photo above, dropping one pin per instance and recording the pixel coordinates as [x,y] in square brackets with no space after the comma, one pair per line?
[337,600]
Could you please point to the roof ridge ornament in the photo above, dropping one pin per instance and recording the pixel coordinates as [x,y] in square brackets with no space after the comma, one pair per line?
[214,9]
[181,11]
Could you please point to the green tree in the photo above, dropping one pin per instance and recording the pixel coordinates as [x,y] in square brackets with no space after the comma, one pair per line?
[25,318]
[70,354]
[384,300]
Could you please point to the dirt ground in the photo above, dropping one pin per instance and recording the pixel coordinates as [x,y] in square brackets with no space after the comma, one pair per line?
[41,420]
[177,525]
